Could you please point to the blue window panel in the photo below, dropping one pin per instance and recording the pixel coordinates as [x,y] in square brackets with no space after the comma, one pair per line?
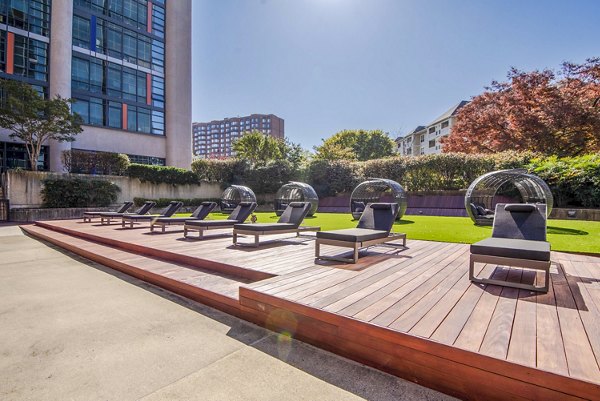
[93,33]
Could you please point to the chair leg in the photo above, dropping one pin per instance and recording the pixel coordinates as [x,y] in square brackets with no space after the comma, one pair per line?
[355,252]
[317,249]
[255,239]
[234,237]
[471,268]
[151,227]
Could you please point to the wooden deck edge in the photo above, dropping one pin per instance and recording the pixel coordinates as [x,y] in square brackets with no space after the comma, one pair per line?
[213,299]
[395,352]
[168,256]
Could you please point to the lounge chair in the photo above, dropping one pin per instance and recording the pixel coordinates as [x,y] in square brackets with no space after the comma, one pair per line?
[88,216]
[374,227]
[483,216]
[106,217]
[199,214]
[241,212]
[289,222]
[519,240]
[169,211]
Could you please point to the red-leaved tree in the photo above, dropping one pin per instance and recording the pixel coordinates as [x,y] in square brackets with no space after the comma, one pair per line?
[542,111]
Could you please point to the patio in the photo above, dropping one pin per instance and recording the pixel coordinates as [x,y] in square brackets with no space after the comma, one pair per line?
[412,312]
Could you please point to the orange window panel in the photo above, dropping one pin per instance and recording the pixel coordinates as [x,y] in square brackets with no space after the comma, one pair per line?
[149,20]
[148,89]
[124,122]
[10,53]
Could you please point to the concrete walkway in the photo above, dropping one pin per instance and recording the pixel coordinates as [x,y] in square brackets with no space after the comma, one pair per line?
[71,329]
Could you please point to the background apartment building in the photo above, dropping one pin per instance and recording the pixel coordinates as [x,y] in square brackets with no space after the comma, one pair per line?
[126,62]
[213,140]
[425,140]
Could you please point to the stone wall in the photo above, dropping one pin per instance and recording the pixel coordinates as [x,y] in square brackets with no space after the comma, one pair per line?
[23,188]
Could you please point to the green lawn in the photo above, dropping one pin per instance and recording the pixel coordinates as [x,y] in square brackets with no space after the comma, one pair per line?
[564,235]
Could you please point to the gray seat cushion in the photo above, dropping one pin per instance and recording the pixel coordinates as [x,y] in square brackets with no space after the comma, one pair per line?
[172,220]
[210,223]
[513,248]
[265,226]
[138,217]
[353,234]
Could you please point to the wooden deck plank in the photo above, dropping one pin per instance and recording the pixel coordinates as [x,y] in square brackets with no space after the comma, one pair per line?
[390,305]
[580,357]
[367,296]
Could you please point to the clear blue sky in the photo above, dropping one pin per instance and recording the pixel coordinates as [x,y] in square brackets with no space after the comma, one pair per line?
[328,65]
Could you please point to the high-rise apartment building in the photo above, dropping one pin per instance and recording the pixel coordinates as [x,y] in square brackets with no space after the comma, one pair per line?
[426,140]
[126,62]
[213,140]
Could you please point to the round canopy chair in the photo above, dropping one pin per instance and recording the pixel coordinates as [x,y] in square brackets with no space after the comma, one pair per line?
[479,199]
[234,195]
[295,191]
[377,190]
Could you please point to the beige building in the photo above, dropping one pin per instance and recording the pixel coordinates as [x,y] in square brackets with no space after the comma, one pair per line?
[426,140]
[127,64]
[213,140]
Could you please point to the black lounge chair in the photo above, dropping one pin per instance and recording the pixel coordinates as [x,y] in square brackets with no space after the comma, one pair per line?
[483,216]
[169,211]
[241,212]
[519,240]
[199,214]
[374,227]
[289,222]
[106,217]
[88,216]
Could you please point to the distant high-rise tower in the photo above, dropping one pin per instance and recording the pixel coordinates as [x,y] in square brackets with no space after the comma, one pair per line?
[213,140]
[127,63]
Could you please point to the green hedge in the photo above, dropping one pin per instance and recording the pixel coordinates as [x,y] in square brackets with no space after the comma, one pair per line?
[263,179]
[86,162]
[162,174]
[76,192]
[573,180]
[163,202]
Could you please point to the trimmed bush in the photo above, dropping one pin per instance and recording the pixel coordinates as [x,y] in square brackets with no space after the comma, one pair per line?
[76,192]
[102,163]
[331,177]
[162,174]
[226,172]
[574,181]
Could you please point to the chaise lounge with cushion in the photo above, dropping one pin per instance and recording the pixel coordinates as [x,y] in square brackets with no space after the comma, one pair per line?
[374,227]
[199,214]
[241,212]
[88,216]
[289,222]
[169,211]
[106,217]
[519,240]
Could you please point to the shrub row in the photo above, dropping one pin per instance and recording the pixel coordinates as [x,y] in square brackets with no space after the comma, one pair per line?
[162,174]
[76,192]
[103,163]
[163,202]
[573,180]
[263,179]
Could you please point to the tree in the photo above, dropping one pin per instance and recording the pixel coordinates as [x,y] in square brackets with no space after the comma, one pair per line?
[260,149]
[541,111]
[35,120]
[358,145]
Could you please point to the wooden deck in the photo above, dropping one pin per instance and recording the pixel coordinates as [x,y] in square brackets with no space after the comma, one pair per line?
[411,312]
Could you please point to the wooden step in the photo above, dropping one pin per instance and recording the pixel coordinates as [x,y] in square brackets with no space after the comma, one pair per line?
[220,291]
[163,254]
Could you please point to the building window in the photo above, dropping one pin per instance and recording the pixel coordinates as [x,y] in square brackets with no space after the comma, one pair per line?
[432,129]
[432,143]
[81,32]
[30,58]
[422,138]
[445,124]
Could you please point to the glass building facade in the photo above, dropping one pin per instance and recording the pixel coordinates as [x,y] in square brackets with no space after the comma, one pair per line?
[118,64]
[111,57]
